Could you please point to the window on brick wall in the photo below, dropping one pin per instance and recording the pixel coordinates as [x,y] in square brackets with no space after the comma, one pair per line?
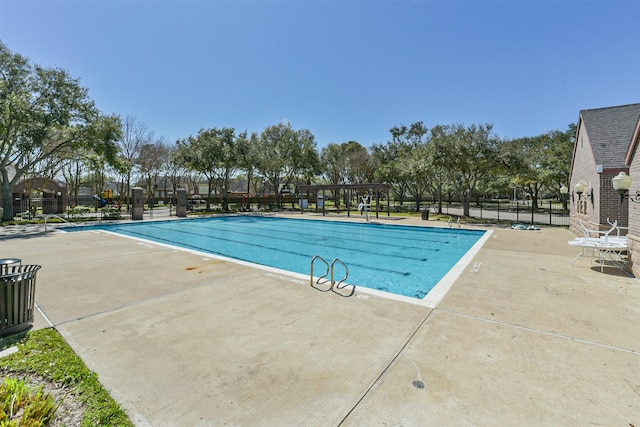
[582,207]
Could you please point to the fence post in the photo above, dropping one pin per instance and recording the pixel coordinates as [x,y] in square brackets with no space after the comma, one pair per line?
[550,213]
[517,211]
[498,210]
[532,210]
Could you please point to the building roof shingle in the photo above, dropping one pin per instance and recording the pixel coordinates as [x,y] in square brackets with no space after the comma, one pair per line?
[610,131]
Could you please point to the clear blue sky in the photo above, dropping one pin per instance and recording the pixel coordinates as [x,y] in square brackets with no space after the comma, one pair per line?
[345,70]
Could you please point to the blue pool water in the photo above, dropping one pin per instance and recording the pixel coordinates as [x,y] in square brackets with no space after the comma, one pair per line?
[403,260]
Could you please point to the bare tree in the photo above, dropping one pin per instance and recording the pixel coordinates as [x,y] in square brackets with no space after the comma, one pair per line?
[72,171]
[135,135]
[175,172]
[152,161]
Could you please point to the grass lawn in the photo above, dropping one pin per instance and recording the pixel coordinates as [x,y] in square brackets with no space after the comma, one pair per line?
[45,360]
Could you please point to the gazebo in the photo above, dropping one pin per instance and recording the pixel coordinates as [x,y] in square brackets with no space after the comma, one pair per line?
[375,189]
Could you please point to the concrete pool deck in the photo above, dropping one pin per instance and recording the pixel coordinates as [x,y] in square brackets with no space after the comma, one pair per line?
[180,339]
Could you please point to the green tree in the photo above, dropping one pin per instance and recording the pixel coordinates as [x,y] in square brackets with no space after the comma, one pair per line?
[247,156]
[405,162]
[527,168]
[557,162]
[284,155]
[43,113]
[437,182]
[346,163]
[467,155]
[388,168]
[334,163]
[213,153]
[414,158]
[359,168]
[540,163]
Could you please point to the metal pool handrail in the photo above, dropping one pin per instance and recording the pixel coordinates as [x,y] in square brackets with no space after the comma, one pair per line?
[330,270]
[318,257]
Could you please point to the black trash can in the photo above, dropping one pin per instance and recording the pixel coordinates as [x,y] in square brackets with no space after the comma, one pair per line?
[17,298]
[425,214]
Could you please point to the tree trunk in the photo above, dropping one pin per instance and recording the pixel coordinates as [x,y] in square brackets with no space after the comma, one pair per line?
[209,188]
[248,204]
[225,199]
[7,201]
[466,203]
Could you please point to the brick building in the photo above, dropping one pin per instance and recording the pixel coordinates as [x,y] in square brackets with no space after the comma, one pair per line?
[606,144]
[633,160]
[600,152]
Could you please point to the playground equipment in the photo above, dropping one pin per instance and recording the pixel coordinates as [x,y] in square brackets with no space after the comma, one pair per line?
[104,199]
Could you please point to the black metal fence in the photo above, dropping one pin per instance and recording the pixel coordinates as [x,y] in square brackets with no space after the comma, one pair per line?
[547,212]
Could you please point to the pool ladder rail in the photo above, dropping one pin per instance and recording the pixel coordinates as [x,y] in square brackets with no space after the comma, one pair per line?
[330,271]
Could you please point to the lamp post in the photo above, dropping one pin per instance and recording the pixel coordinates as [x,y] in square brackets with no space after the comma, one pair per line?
[622,183]
[564,192]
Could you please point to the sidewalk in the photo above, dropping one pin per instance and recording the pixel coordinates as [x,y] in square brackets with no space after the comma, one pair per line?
[182,339]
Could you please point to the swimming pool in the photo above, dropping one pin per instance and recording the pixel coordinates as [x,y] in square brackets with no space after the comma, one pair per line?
[403,260]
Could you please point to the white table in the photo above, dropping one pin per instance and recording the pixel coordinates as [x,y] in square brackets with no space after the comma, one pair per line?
[607,249]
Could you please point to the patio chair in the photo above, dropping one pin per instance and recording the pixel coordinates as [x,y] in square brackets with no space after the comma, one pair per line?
[618,237]
[596,235]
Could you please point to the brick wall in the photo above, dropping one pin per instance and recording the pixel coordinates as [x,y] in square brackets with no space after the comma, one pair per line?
[584,169]
[634,217]
[610,206]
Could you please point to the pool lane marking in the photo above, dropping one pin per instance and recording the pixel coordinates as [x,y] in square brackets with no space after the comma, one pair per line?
[272,237]
[278,248]
[321,233]
[233,227]
[189,246]
[228,226]
[337,226]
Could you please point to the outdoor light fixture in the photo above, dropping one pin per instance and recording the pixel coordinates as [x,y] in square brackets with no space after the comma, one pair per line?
[622,183]
[580,188]
[564,193]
